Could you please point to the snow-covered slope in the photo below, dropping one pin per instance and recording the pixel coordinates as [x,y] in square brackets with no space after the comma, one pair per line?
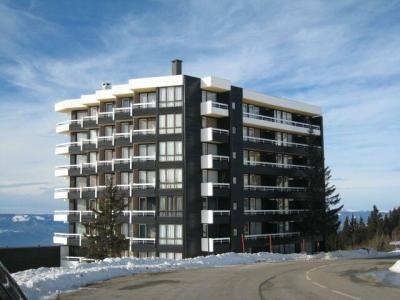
[41,282]
[396,267]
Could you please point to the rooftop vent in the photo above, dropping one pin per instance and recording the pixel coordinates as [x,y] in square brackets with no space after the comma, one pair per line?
[106,85]
[176,67]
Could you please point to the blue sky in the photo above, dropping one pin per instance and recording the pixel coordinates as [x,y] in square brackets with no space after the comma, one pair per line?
[342,55]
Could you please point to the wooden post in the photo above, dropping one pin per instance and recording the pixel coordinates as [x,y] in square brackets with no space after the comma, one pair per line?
[270,244]
[242,238]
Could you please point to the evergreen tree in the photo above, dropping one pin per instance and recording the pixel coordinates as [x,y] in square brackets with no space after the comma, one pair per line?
[105,238]
[322,220]
[374,223]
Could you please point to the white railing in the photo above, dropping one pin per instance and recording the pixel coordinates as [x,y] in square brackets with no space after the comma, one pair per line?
[273,188]
[136,240]
[270,235]
[79,259]
[225,240]
[138,213]
[143,131]
[144,105]
[80,190]
[274,142]
[220,131]
[281,121]
[220,157]
[57,237]
[219,105]
[220,185]
[275,165]
[78,213]
[110,138]
[254,212]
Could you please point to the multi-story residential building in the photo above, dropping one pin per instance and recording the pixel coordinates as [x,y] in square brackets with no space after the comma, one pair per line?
[204,166]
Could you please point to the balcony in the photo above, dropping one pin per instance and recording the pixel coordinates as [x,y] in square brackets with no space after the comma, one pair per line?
[75,170]
[274,191]
[141,244]
[81,216]
[256,143]
[218,162]
[257,240]
[215,245]
[278,215]
[139,216]
[270,168]
[214,135]
[214,109]
[75,125]
[210,189]
[266,122]
[76,147]
[215,216]
[69,239]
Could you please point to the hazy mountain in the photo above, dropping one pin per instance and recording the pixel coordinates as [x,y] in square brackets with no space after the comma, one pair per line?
[28,230]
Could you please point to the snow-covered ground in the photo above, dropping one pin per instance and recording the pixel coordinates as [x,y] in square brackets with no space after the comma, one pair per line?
[396,267]
[43,282]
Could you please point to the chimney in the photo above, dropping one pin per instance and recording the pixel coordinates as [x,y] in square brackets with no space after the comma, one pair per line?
[176,67]
[106,85]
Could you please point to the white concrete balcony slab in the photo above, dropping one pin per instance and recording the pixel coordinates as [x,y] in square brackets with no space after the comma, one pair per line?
[209,244]
[254,120]
[73,239]
[65,215]
[210,161]
[209,189]
[214,109]
[214,135]
[207,215]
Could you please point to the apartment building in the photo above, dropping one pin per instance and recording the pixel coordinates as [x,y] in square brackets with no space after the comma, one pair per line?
[204,166]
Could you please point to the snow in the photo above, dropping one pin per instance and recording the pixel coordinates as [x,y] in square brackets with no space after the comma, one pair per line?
[395,268]
[23,218]
[39,218]
[44,282]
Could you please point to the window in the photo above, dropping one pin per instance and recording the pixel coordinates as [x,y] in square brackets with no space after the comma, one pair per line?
[251,109]
[80,114]
[282,116]
[126,152]
[109,154]
[147,203]
[170,234]
[251,156]
[92,180]
[93,110]
[81,181]
[170,151]
[109,178]
[208,96]
[251,179]
[80,136]
[81,159]
[147,150]
[126,178]
[251,132]
[92,157]
[170,124]
[171,96]
[283,138]
[92,134]
[170,178]
[149,99]
[126,102]
[171,206]
[109,106]
[252,203]
[108,130]
[147,124]
[147,177]
[209,148]
[125,127]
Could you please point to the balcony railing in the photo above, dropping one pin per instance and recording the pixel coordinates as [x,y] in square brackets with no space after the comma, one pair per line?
[208,215]
[145,241]
[258,212]
[208,244]
[273,188]
[274,142]
[65,238]
[274,165]
[62,215]
[280,121]
[271,235]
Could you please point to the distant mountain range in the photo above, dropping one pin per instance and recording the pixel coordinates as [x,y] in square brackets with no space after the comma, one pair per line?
[33,230]
[28,230]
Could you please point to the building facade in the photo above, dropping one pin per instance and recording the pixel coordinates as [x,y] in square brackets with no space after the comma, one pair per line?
[204,166]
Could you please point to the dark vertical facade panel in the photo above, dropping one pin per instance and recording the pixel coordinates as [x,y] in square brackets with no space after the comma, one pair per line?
[192,168]
[236,166]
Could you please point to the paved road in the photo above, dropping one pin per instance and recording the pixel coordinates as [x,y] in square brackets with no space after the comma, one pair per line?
[291,280]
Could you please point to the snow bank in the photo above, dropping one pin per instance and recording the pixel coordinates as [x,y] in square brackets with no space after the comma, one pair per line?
[396,267]
[23,218]
[42,282]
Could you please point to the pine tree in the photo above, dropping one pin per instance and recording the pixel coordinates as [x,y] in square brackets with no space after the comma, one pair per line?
[374,223]
[322,220]
[105,238]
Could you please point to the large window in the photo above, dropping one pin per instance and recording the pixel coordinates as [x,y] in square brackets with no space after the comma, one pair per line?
[126,152]
[171,206]
[170,124]
[251,109]
[170,234]
[171,96]
[208,96]
[147,100]
[251,132]
[147,150]
[170,151]
[251,156]
[173,255]
[147,177]
[126,178]
[170,178]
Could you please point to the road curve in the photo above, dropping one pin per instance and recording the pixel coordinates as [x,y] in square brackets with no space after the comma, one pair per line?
[291,280]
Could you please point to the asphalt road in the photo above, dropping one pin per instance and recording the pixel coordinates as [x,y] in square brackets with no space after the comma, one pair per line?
[344,279]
